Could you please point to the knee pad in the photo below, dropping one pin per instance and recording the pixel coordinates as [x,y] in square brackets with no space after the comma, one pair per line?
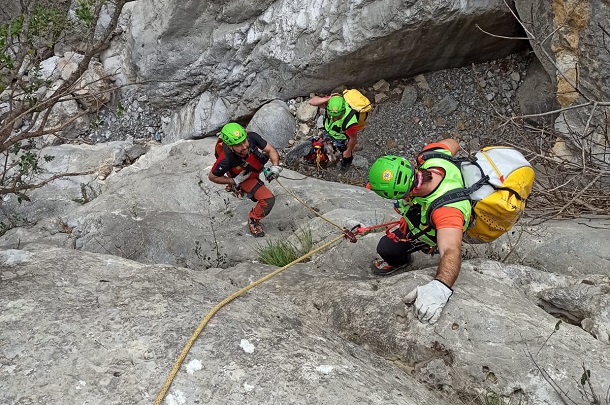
[268,205]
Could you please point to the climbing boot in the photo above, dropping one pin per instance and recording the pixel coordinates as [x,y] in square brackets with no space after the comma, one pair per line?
[346,163]
[380,267]
[256,228]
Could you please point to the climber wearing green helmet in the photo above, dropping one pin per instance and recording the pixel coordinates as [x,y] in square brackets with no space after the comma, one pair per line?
[239,161]
[340,124]
[424,226]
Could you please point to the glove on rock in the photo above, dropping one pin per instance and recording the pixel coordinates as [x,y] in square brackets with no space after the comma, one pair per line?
[430,299]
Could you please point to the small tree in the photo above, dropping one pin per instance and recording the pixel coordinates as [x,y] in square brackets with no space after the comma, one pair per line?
[574,181]
[26,98]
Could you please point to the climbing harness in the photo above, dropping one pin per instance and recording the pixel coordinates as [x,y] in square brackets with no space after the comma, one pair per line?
[349,234]
[235,190]
[250,194]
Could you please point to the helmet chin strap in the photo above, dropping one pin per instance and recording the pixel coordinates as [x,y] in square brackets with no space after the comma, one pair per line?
[418,181]
[419,178]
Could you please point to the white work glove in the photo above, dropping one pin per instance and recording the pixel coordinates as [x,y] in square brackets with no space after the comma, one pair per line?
[243,175]
[274,172]
[276,169]
[430,299]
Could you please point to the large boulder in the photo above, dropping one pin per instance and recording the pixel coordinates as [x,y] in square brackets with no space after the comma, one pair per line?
[68,193]
[275,123]
[536,95]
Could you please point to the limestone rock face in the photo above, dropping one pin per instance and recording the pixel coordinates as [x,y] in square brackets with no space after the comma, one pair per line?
[103,309]
[83,327]
[163,209]
[89,94]
[97,329]
[228,59]
[537,95]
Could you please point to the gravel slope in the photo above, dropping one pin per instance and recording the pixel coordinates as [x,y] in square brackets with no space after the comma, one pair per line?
[463,103]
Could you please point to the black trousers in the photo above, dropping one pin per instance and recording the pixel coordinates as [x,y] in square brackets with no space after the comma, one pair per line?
[398,253]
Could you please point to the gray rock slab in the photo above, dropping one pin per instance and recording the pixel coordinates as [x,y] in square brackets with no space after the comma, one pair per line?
[78,327]
[569,247]
[63,195]
[163,209]
[492,334]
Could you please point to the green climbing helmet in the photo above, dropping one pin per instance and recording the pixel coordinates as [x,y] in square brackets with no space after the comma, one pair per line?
[335,106]
[232,134]
[391,177]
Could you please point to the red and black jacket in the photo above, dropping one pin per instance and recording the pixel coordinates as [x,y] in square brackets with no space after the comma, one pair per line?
[229,163]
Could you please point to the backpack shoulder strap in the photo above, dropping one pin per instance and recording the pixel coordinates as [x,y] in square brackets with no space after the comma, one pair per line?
[347,119]
[451,197]
[433,154]
[425,155]
[456,195]
[218,148]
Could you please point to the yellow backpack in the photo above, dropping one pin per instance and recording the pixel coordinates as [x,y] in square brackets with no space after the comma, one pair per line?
[498,181]
[360,104]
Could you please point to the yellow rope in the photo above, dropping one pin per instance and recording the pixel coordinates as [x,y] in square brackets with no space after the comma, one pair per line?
[210,314]
[318,160]
[308,207]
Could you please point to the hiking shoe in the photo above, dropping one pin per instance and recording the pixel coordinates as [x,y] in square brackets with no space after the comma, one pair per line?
[256,228]
[380,267]
[346,163]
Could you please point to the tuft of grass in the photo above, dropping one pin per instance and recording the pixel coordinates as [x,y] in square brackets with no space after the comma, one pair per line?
[281,252]
[492,398]
[475,396]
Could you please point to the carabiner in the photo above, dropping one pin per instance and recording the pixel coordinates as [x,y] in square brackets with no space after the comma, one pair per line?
[349,235]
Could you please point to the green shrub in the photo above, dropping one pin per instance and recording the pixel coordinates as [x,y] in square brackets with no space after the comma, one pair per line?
[281,252]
